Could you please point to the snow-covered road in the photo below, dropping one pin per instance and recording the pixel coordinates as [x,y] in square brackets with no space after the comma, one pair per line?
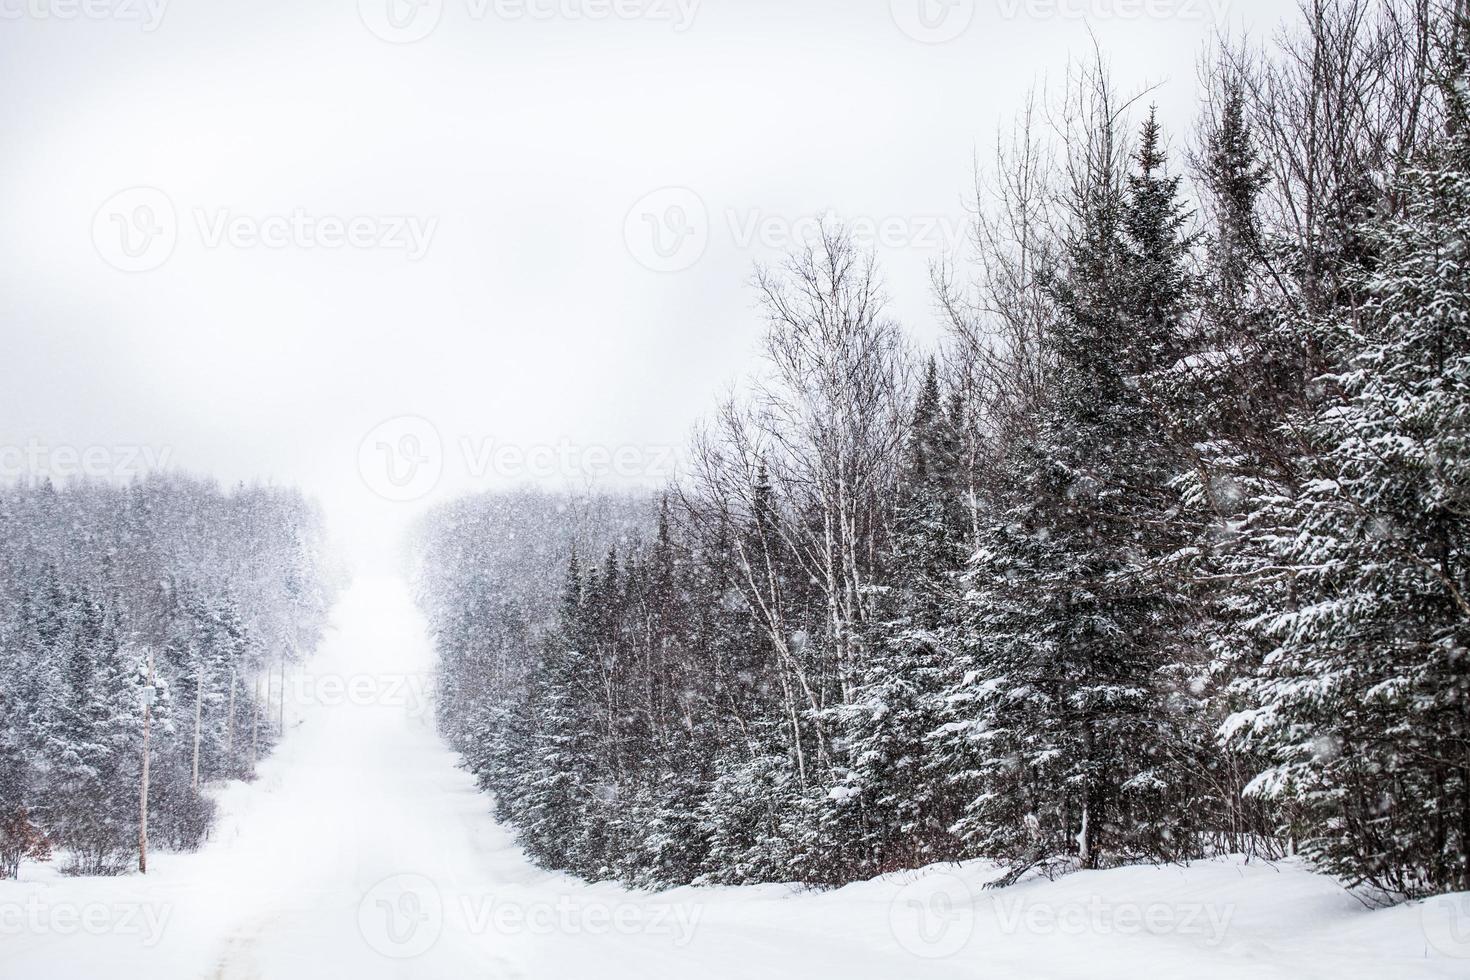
[363,851]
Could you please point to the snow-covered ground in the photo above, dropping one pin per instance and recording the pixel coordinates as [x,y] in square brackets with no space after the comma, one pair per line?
[362,851]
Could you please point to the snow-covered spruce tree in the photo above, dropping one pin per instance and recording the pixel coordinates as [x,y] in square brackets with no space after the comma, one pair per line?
[668,718]
[493,740]
[1067,723]
[752,815]
[1240,374]
[20,835]
[27,680]
[93,578]
[198,654]
[1363,703]
[548,796]
[93,746]
[561,801]
[891,809]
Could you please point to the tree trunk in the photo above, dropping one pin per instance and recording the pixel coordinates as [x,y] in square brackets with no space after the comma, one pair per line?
[281,727]
[255,728]
[230,722]
[143,792]
[198,723]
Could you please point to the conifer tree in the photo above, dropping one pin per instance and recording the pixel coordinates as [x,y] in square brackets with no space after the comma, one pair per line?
[94,749]
[890,806]
[1063,726]
[1361,703]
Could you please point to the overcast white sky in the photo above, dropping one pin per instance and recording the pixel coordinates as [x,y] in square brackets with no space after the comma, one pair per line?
[502,281]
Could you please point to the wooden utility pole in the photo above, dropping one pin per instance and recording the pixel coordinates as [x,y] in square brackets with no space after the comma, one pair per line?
[149,693]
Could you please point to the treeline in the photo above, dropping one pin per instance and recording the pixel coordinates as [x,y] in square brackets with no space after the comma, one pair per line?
[482,567]
[1166,554]
[159,606]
